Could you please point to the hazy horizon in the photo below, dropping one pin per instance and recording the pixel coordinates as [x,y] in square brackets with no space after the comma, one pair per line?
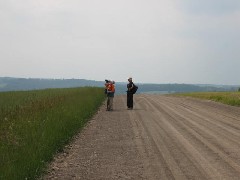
[121,82]
[155,41]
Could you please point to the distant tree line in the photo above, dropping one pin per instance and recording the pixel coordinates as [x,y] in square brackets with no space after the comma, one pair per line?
[17,84]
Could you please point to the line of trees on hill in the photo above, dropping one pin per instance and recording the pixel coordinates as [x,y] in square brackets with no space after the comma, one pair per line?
[18,84]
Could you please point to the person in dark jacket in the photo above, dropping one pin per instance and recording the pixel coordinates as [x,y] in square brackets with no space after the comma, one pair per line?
[130,87]
[106,85]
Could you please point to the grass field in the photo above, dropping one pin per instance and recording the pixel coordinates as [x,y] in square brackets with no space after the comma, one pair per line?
[230,98]
[34,125]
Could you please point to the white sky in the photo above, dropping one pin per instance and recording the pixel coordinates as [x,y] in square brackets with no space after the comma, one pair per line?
[154,41]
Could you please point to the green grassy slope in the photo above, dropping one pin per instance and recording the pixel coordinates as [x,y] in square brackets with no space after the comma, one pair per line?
[34,125]
[230,98]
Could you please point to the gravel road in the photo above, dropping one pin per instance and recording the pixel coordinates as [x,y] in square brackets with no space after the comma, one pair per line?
[164,137]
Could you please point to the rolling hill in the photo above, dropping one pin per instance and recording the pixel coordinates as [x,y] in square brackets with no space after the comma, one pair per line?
[23,84]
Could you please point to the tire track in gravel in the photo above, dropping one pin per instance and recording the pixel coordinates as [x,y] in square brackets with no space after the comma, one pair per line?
[225,167]
[164,137]
[177,160]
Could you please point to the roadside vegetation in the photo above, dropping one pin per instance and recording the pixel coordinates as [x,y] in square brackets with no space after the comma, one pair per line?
[34,125]
[230,98]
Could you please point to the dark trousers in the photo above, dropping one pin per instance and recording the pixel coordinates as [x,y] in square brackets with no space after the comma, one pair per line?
[130,100]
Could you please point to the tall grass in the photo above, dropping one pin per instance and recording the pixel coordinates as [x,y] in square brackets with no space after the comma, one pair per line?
[230,98]
[34,125]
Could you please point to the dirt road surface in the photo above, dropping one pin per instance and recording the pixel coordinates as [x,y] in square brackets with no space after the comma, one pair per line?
[164,137]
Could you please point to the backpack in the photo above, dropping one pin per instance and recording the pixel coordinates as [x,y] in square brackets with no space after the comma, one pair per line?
[134,89]
[111,88]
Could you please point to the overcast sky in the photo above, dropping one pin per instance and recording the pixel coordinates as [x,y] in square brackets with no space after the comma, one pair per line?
[154,41]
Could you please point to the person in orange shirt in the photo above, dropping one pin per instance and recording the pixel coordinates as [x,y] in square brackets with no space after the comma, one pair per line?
[110,95]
